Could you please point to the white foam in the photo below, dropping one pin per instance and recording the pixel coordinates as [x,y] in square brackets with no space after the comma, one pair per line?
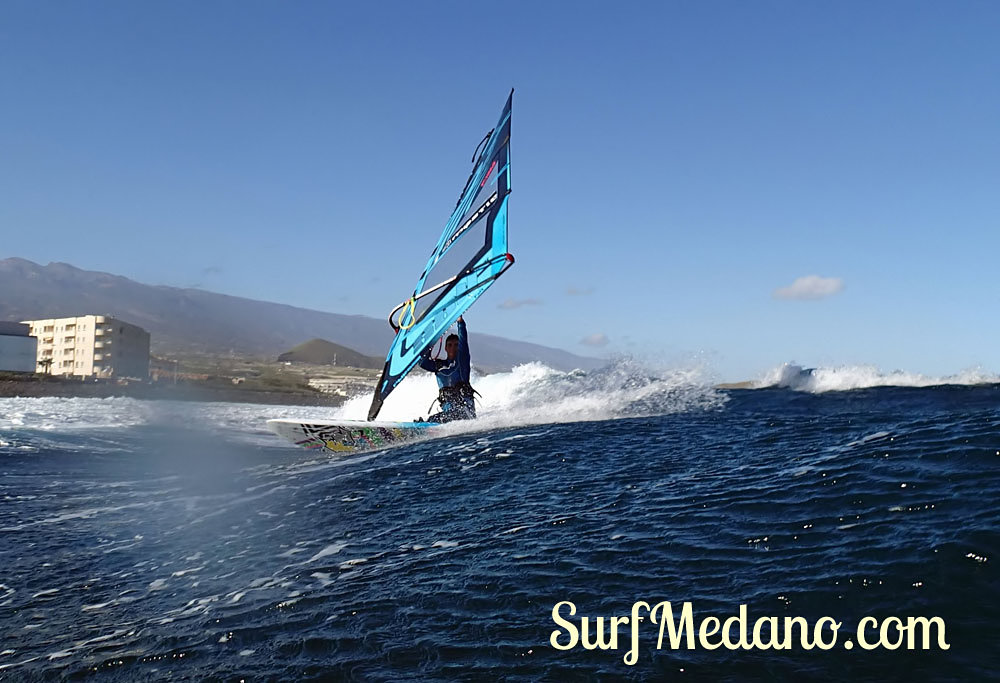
[53,413]
[846,377]
[331,549]
[534,393]
[96,606]
[325,578]
[45,419]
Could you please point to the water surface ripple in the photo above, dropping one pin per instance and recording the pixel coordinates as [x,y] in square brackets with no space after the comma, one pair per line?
[167,545]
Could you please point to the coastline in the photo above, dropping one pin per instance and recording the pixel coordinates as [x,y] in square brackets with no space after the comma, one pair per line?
[34,387]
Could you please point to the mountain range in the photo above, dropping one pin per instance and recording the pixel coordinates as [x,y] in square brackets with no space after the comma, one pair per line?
[193,320]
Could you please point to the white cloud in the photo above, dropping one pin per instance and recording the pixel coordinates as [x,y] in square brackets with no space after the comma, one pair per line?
[810,287]
[511,304]
[597,339]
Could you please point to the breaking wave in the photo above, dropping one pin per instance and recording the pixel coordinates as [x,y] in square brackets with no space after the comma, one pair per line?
[536,394]
[847,377]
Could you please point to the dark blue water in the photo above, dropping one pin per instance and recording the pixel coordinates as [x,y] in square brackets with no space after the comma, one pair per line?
[172,548]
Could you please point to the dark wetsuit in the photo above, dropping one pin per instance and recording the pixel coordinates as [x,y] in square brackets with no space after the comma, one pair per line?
[455,394]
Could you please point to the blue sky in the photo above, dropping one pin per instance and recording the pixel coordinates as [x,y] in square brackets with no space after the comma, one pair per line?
[673,164]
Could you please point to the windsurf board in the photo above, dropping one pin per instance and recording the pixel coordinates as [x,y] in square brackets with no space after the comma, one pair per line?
[348,436]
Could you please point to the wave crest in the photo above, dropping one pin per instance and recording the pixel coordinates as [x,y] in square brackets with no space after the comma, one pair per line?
[847,377]
[534,393]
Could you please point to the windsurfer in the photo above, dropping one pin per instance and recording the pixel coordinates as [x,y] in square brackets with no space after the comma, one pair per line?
[446,288]
[455,394]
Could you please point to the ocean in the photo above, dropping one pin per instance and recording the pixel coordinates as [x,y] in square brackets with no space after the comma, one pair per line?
[156,540]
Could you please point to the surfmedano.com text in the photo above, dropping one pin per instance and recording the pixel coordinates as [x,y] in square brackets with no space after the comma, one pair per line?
[735,632]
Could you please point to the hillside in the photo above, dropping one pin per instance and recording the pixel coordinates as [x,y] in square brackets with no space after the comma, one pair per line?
[323,352]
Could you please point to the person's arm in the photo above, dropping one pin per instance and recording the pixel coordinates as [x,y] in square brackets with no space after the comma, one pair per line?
[426,362]
[464,357]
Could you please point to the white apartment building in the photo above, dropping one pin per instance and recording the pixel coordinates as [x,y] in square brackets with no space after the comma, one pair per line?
[17,348]
[91,346]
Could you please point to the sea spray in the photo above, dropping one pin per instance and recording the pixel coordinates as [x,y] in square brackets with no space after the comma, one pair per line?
[536,394]
[847,377]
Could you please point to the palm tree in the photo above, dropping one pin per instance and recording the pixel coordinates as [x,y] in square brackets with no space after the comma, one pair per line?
[46,365]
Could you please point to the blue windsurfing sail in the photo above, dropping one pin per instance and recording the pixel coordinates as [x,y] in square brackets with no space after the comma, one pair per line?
[470,255]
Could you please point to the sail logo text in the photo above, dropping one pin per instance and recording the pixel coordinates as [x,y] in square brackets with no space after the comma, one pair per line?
[735,632]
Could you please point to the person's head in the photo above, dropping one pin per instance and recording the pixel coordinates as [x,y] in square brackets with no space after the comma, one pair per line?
[451,346]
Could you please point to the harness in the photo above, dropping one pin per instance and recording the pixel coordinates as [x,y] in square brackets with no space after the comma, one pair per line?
[461,393]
